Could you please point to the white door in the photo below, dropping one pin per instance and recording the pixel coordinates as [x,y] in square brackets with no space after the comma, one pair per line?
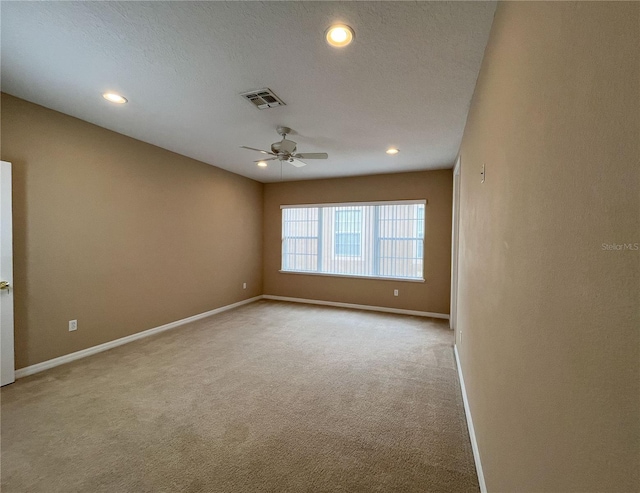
[7,368]
[454,245]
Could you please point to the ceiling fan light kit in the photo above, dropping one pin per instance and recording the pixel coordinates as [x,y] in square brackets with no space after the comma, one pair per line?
[285,150]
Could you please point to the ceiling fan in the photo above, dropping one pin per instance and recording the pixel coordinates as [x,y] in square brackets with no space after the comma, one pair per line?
[285,150]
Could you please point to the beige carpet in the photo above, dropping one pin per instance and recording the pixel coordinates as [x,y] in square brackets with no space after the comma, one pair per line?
[270,397]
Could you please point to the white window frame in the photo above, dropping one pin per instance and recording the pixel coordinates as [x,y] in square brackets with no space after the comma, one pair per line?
[356,205]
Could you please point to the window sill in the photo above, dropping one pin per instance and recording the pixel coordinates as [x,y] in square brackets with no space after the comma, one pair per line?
[375,278]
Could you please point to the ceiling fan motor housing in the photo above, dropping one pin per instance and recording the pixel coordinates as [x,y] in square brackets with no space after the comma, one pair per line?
[284,146]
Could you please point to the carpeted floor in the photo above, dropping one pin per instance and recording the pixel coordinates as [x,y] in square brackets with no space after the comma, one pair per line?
[270,397]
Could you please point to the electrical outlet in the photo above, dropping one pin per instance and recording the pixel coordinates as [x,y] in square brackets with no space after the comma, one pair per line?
[244,285]
[395,292]
[73,325]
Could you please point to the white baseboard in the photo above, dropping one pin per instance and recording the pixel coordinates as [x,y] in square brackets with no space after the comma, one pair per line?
[359,307]
[472,432]
[67,358]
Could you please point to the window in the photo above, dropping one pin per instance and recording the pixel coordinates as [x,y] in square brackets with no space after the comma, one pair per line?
[348,233]
[381,239]
[300,239]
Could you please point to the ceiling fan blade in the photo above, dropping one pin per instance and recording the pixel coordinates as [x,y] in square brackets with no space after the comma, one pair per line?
[313,155]
[259,150]
[297,163]
[266,159]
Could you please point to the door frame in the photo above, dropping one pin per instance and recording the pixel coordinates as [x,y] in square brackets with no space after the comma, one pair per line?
[7,358]
[455,231]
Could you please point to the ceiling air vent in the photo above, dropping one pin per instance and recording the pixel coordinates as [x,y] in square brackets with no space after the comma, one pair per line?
[263,98]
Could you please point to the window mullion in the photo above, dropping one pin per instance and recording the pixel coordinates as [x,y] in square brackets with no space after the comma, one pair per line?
[376,240]
[320,237]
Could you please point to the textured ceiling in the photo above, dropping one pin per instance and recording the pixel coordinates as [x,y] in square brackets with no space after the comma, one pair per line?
[406,80]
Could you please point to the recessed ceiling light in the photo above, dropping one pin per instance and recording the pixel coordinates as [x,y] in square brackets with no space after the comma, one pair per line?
[339,35]
[392,150]
[262,164]
[114,98]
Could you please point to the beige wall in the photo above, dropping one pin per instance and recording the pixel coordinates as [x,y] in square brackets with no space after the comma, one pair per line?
[431,296]
[549,320]
[118,234]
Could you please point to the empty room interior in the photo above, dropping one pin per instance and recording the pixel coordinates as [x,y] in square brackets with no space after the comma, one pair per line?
[320,246]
